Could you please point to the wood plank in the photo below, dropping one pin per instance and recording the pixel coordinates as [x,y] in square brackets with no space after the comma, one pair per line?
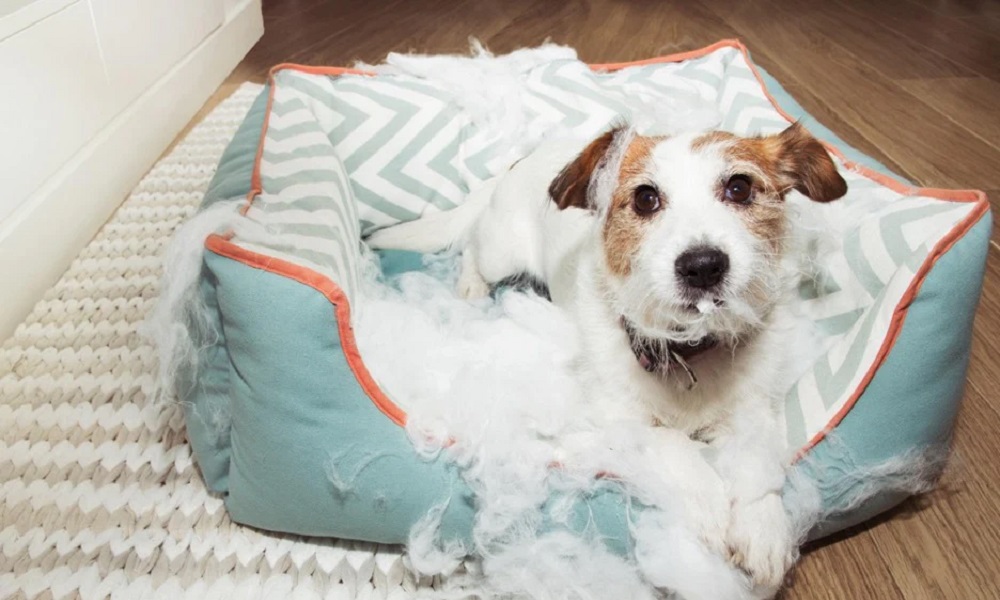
[960,8]
[819,109]
[987,23]
[969,101]
[845,566]
[339,33]
[629,31]
[892,54]
[971,47]
[932,148]
[994,196]
[984,370]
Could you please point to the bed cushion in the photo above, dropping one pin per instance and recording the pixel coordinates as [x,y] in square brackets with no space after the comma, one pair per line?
[288,424]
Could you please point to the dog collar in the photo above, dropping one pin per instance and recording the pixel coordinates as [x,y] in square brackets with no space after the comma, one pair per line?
[665,355]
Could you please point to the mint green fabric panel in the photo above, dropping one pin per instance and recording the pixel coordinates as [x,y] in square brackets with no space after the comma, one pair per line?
[232,178]
[300,421]
[601,515]
[205,398]
[396,262]
[914,397]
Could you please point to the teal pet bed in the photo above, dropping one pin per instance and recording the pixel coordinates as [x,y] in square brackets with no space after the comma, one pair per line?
[327,155]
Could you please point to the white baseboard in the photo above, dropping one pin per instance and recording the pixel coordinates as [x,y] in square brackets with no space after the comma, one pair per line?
[45,233]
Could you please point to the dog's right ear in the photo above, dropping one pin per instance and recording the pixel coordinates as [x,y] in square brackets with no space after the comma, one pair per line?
[570,187]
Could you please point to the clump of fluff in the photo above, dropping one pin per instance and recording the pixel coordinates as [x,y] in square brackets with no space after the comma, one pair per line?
[673,559]
[497,97]
[818,230]
[179,324]
[490,386]
[427,556]
[489,89]
[604,179]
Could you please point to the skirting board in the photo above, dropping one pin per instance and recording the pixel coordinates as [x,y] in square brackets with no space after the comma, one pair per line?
[43,236]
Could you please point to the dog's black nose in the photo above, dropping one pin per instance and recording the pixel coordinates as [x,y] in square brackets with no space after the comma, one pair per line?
[702,267]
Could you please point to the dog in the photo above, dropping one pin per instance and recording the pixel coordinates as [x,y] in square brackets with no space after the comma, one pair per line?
[671,254]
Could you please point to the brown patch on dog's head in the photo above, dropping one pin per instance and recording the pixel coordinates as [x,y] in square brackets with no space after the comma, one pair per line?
[623,226]
[806,161]
[710,139]
[776,164]
[571,185]
[790,159]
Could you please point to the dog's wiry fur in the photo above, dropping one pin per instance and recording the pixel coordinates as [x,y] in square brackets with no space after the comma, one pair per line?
[607,228]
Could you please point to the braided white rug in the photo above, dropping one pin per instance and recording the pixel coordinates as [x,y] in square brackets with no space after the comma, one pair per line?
[99,495]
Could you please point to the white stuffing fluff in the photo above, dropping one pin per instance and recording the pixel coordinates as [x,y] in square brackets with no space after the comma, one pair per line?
[426,556]
[492,91]
[179,322]
[495,378]
[488,88]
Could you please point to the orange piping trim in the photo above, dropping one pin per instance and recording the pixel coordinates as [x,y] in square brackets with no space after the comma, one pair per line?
[222,245]
[342,313]
[670,58]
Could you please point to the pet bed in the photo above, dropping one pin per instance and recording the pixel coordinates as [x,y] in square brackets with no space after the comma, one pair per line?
[327,155]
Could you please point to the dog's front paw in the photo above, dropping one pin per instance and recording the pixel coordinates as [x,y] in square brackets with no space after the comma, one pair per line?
[760,541]
[708,513]
[472,286]
[710,522]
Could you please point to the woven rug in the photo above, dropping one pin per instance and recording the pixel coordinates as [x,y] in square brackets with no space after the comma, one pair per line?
[99,494]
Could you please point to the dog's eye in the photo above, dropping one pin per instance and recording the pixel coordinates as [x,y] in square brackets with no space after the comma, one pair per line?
[738,189]
[645,201]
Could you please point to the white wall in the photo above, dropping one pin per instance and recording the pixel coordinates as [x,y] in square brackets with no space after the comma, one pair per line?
[91,93]
[68,67]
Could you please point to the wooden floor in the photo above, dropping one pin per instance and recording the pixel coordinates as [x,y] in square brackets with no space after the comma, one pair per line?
[915,84]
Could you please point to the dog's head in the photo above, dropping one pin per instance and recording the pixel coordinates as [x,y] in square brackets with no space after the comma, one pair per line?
[693,227]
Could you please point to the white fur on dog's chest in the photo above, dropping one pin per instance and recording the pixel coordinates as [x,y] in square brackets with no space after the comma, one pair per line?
[621,388]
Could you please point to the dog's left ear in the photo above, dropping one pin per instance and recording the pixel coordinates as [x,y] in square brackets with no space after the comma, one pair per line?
[807,163]
[571,185]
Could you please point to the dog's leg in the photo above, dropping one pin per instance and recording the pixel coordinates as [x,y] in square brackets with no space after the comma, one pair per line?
[759,540]
[701,492]
[471,284]
[752,462]
[498,249]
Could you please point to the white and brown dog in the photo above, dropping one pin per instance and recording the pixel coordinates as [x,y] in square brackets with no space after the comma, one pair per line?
[670,252]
